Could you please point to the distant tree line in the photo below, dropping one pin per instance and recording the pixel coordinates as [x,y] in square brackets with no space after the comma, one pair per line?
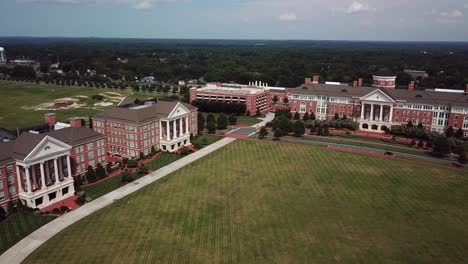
[219,107]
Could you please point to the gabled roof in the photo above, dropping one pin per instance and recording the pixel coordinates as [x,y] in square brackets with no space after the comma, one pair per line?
[26,142]
[161,109]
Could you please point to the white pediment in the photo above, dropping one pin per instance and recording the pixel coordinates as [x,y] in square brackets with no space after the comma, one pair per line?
[377,96]
[179,110]
[46,148]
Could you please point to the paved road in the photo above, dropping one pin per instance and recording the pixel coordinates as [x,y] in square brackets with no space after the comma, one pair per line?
[372,150]
[26,246]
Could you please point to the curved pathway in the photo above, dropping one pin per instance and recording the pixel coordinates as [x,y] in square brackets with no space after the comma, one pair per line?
[27,245]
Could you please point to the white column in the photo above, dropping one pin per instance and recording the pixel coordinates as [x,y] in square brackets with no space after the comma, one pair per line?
[390,119]
[18,178]
[381,113]
[180,127]
[69,167]
[56,171]
[160,130]
[187,130]
[174,131]
[28,179]
[42,176]
[362,110]
[47,170]
[167,131]
[34,176]
[60,167]
[372,112]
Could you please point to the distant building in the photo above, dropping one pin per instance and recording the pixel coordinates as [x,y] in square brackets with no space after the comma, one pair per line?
[134,128]
[39,168]
[23,62]
[2,56]
[254,95]
[417,74]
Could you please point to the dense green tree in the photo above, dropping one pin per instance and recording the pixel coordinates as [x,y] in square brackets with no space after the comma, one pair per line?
[410,124]
[210,118]
[336,116]
[262,133]
[326,131]
[297,116]
[298,128]
[305,117]
[109,167]
[90,174]
[100,171]
[11,207]
[441,146]
[2,213]
[278,133]
[449,132]
[211,127]
[232,120]
[312,116]
[222,121]
[201,123]
[420,126]
[459,133]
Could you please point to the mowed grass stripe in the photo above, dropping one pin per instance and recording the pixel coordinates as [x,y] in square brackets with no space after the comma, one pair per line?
[255,202]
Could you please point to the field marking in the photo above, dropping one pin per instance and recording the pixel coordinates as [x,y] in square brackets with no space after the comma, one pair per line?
[22,249]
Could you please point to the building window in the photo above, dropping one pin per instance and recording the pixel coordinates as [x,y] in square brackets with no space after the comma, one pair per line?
[11,179]
[465,123]
[456,117]
[9,169]
[90,146]
[12,191]
[91,163]
[91,155]
[2,196]
[1,184]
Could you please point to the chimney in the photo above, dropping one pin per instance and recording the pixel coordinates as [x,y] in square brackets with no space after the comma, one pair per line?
[355,84]
[315,79]
[50,119]
[411,86]
[307,81]
[359,84]
[75,122]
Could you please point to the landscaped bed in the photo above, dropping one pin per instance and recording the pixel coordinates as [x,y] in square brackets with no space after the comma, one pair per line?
[258,202]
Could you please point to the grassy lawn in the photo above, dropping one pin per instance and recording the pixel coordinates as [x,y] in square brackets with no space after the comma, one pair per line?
[17,100]
[242,120]
[257,202]
[19,225]
[210,139]
[162,160]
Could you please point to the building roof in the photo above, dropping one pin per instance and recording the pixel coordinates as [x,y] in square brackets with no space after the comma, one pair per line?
[416,96]
[143,114]
[127,100]
[26,142]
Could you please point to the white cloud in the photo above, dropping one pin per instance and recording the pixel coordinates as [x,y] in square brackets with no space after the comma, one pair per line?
[137,4]
[358,7]
[453,14]
[288,17]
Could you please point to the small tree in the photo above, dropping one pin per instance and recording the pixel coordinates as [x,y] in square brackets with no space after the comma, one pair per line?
[232,120]
[420,125]
[248,113]
[344,117]
[312,116]
[336,116]
[211,127]
[78,182]
[109,168]
[278,133]
[275,99]
[210,118]
[142,156]
[90,174]
[222,121]
[297,116]
[449,132]
[285,100]
[153,150]
[298,128]
[459,133]
[262,133]
[305,117]
[100,171]
[326,131]
[201,123]
[320,131]
[410,124]
[11,208]
[441,146]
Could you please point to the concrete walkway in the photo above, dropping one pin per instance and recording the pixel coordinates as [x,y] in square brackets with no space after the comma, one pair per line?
[27,245]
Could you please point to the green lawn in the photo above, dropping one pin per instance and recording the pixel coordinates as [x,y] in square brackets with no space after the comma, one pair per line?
[242,120]
[258,202]
[17,99]
[19,225]
[162,160]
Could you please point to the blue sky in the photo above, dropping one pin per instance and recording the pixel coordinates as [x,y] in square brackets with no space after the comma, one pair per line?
[420,20]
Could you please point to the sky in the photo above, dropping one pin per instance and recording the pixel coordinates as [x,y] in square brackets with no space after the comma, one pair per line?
[385,20]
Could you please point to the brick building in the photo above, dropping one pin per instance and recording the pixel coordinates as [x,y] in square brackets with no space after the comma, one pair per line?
[133,128]
[377,108]
[255,95]
[38,168]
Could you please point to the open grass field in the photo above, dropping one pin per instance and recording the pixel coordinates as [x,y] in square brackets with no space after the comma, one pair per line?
[19,225]
[19,102]
[257,202]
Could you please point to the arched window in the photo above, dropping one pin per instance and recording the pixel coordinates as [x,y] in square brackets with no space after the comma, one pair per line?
[303,107]
[465,122]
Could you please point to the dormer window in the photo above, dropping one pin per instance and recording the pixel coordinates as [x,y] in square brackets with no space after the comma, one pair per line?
[47,148]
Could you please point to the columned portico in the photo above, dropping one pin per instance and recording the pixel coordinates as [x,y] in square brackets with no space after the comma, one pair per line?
[376,111]
[176,129]
[51,158]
